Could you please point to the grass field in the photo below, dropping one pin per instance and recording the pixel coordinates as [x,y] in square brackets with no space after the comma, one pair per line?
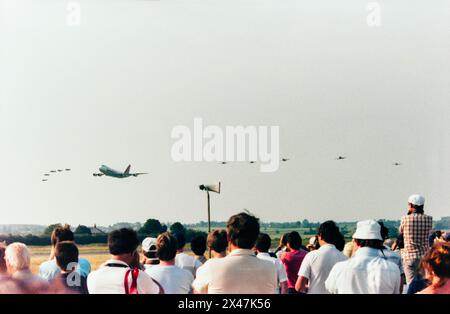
[96,254]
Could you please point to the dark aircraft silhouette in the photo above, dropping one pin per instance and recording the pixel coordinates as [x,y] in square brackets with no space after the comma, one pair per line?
[397,164]
[223,162]
[285,159]
[341,158]
[53,171]
[60,170]
[252,162]
[68,169]
[44,180]
[46,174]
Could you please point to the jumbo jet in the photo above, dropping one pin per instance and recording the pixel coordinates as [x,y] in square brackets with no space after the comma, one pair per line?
[107,171]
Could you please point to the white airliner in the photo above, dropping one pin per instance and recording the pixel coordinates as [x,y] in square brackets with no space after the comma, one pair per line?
[109,172]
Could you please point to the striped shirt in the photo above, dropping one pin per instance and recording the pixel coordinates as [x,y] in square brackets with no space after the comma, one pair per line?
[415,228]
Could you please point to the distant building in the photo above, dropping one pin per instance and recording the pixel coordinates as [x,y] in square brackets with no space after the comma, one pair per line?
[96,231]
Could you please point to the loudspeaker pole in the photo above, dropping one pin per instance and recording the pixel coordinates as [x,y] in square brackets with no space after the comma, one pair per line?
[207,189]
[209,212]
[209,218]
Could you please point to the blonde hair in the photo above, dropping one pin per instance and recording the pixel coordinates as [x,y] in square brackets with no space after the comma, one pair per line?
[18,256]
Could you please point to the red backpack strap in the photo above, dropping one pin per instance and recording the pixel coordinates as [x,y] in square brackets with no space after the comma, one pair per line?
[134,276]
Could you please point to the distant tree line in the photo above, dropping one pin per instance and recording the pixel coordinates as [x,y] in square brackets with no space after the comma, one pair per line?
[153,227]
[83,234]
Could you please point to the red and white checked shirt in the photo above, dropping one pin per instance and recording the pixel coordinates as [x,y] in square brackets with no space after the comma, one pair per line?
[415,228]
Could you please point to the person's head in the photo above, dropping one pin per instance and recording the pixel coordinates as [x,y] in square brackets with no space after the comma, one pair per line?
[217,242]
[349,249]
[17,257]
[436,263]
[166,247]
[438,234]
[123,244]
[2,258]
[294,241]
[263,243]
[329,233]
[416,204]
[61,233]
[181,241]
[446,237]
[368,234]
[283,239]
[66,255]
[242,231]
[313,243]
[198,245]
[149,248]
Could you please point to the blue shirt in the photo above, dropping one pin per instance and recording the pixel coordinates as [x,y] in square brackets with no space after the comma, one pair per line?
[49,269]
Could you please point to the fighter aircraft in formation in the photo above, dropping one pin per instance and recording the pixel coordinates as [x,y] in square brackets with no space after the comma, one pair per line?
[253,161]
[48,174]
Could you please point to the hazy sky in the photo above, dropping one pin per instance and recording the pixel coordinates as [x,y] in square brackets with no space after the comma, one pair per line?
[110,91]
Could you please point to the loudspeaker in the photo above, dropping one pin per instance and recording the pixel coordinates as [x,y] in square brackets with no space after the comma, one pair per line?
[211,188]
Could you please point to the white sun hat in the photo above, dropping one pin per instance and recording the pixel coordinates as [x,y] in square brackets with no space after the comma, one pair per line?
[416,199]
[368,230]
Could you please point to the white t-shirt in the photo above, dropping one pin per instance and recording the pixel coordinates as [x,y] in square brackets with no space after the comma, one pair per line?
[187,262]
[280,252]
[110,280]
[148,266]
[316,267]
[241,272]
[394,257]
[366,272]
[173,279]
[281,270]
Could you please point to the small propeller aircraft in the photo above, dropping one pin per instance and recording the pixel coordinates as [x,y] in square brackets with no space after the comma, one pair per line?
[341,158]
[109,172]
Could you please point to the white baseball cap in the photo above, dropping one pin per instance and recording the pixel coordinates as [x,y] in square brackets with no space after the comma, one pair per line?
[368,230]
[149,244]
[416,199]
